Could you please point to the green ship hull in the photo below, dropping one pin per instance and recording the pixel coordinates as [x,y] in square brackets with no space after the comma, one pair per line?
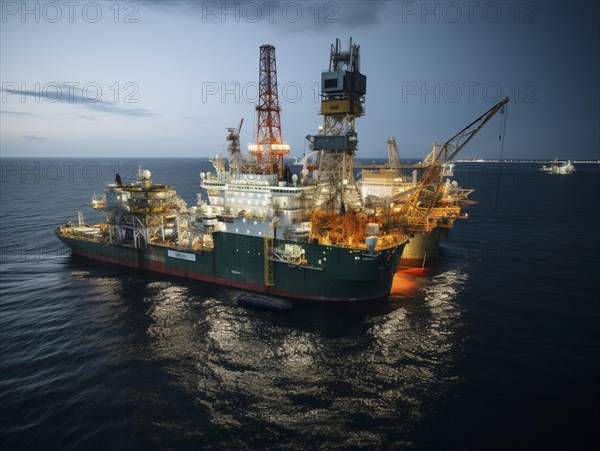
[328,273]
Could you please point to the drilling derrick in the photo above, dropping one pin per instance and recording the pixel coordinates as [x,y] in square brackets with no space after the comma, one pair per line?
[269,148]
[343,88]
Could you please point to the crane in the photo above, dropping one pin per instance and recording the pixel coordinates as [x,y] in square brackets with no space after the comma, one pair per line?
[233,148]
[457,142]
[427,189]
[233,135]
[393,159]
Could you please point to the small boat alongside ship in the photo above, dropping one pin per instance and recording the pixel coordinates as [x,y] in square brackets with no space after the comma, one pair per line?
[263,302]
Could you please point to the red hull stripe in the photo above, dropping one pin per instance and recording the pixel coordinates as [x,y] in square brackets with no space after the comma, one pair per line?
[161,268]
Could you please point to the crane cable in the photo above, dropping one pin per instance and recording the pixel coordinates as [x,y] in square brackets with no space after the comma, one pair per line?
[504,113]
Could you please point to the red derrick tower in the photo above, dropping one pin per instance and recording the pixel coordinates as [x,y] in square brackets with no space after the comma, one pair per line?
[269,148]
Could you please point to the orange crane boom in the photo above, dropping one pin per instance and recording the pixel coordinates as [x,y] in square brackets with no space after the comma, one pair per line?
[457,142]
[413,211]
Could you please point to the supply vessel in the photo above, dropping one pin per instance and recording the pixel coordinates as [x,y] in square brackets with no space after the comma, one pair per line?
[559,168]
[425,207]
[259,227]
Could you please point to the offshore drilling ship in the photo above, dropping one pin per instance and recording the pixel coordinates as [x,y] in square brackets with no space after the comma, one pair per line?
[261,228]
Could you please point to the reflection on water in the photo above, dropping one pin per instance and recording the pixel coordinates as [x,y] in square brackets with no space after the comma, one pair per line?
[344,376]
[440,293]
[92,354]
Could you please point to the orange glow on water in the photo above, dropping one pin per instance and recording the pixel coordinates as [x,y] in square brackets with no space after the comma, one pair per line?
[405,283]
[415,272]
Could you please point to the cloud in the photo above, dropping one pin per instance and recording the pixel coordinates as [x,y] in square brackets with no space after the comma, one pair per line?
[361,13]
[284,13]
[16,113]
[75,96]
[33,137]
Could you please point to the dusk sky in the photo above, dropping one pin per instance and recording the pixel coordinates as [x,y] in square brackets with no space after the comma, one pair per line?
[166,78]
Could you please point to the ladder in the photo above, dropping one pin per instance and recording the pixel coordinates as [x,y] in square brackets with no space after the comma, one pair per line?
[269,279]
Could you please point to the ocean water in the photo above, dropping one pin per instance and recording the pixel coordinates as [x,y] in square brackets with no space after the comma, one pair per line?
[496,347]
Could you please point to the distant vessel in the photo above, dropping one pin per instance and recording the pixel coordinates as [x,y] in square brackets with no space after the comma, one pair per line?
[557,168]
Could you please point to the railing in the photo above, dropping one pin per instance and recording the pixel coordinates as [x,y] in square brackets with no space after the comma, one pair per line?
[68,231]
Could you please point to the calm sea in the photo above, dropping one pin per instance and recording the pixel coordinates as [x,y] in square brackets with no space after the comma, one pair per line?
[495,348]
